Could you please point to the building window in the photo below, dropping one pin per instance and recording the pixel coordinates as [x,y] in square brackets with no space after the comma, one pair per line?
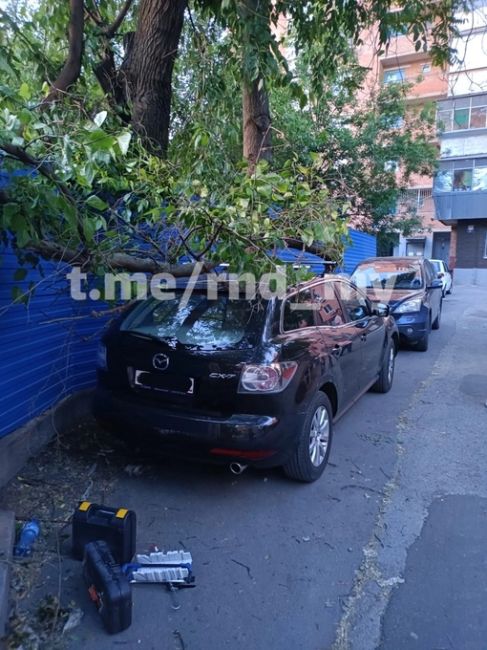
[460,119]
[478,117]
[479,183]
[462,180]
[414,198]
[466,117]
[397,26]
[415,248]
[394,76]
[472,178]
[444,120]
[426,68]
[443,181]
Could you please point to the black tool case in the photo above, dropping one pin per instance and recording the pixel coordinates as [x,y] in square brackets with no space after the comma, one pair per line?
[108,587]
[116,526]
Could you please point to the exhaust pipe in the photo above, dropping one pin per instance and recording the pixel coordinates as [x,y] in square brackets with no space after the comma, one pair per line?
[237,468]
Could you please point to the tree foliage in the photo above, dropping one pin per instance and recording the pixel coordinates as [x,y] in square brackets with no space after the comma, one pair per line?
[87,125]
[366,152]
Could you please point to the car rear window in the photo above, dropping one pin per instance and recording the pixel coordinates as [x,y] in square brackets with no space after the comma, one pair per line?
[202,322]
[388,275]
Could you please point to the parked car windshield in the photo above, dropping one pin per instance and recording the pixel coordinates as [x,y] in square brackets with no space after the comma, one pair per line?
[437,265]
[388,275]
[205,323]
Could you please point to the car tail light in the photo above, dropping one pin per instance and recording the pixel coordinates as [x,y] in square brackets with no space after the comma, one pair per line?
[271,378]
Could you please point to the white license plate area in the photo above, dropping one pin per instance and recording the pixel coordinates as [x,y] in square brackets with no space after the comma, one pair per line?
[163,383]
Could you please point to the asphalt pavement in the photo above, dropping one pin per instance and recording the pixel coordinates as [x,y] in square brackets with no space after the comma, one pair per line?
[388,550]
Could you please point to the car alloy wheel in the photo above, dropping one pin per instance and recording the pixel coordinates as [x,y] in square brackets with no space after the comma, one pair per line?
[310,456]
[319,436]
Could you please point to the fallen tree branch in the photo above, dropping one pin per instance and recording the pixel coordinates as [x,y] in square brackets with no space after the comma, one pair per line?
[39,165]
[45,169]
[91,314]
[115,261]
[316,249]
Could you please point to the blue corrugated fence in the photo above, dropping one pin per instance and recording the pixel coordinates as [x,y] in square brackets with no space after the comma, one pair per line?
[45,353]
[362,245]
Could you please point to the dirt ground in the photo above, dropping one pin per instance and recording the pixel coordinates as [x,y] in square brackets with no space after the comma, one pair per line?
[81,464]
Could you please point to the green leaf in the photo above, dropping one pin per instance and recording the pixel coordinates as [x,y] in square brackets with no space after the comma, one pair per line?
[89,228]
[19,296]
[100,118]
[10,210]
[68,209]
[124,142]
[5,66]
[24,91]
[95,202]
[20,274]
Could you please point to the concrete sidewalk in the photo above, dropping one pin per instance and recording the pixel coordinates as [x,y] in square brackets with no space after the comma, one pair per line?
[423,581]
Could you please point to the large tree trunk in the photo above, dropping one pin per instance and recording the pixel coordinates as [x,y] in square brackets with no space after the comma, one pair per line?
[255,16]
[154,50]
[72,67]
[256,123]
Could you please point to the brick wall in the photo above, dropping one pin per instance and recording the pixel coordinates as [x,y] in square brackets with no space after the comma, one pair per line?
[453,248]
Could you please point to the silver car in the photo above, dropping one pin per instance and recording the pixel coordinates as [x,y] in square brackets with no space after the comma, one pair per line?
[444,274]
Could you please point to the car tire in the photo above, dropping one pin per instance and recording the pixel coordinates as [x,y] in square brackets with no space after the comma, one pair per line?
[311,455]
[450,290]
[437,321]
[386,375]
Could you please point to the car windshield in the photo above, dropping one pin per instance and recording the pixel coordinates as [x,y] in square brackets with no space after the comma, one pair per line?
[436,265]
[388,275]
[203,323]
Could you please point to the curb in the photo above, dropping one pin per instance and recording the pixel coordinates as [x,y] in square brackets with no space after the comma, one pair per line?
[7,538]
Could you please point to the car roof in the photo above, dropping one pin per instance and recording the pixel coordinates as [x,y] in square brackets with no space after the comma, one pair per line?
[201,283]
[392,258]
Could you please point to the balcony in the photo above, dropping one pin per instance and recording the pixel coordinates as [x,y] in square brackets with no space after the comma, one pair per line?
[457,205]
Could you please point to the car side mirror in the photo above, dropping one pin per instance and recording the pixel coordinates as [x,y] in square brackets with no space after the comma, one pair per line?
[440,274]
[381,310]
[436,284]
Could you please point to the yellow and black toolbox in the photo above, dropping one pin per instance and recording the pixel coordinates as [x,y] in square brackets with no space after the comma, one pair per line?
[108,587]
[115,526]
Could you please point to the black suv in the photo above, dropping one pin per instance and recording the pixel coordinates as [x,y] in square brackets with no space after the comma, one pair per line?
[245,381]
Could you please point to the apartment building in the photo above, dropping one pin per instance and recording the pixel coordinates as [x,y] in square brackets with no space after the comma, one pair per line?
[400,62]
[460,189]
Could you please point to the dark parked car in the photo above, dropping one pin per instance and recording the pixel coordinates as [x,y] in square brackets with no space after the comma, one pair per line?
[245,381]
[409,285]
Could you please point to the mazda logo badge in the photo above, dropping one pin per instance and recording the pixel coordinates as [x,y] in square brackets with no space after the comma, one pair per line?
[160,361]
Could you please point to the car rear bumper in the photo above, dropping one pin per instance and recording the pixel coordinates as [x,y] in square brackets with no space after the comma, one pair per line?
[260,440]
